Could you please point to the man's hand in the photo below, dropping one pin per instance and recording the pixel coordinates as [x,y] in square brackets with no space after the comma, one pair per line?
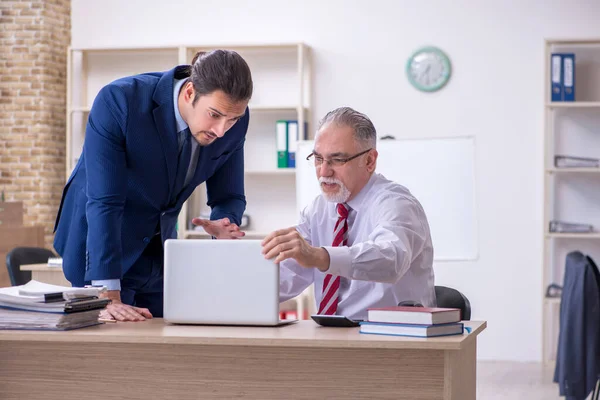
[122,312]
[221,228]
[288,243]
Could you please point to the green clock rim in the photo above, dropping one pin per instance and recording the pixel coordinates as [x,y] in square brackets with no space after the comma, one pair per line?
[445,60]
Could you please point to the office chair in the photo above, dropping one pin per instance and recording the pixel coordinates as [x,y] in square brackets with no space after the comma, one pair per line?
[452,298]
[21,256]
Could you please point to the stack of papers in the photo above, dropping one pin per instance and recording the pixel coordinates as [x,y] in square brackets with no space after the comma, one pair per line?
[37,305]
[17,319]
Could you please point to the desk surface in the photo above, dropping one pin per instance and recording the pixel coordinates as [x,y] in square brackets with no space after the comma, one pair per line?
[39,267]
[305,333]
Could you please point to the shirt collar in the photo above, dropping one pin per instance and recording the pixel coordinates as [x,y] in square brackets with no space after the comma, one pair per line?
[358,200]
[181,125]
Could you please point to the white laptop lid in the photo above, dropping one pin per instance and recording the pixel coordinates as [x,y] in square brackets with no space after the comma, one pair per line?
[220,282]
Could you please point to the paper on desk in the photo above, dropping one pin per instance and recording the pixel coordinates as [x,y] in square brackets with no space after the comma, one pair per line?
[35,288]
[31,296]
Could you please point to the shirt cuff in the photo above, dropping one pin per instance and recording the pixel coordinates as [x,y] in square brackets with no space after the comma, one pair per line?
[340,260]
[111,284]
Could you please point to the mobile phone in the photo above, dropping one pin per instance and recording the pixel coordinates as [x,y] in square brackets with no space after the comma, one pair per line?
[339,321]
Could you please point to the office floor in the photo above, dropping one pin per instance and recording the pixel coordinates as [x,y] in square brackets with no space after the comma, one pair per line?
[500,380]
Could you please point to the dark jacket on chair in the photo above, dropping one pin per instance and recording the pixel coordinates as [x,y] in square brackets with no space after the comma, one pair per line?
[578,355]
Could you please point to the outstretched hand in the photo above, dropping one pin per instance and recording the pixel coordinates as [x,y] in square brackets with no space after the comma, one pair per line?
[288,243]
[221,228]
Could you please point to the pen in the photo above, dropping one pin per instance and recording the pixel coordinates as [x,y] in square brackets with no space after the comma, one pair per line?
[106,320]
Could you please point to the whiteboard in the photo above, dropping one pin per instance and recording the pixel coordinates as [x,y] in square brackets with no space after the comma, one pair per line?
[440,173]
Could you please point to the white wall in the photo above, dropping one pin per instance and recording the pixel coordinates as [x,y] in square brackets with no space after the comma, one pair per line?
[360,50]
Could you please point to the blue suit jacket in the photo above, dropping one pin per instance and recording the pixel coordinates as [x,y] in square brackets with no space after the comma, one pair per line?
[121,191]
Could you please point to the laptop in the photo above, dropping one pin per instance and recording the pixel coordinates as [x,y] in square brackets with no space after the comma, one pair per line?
[220,282]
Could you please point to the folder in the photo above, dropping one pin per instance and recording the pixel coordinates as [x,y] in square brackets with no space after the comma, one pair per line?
[281,138]
[568,77]
[294,135]
[556,77]
[561,161]
[570,227]
[292,130]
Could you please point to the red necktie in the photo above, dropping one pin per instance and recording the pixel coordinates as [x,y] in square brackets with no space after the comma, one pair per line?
[331,284]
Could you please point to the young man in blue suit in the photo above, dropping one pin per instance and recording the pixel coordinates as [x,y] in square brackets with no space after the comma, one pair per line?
[150,140]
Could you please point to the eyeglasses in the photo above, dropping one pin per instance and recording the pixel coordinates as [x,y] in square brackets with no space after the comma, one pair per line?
[334,162]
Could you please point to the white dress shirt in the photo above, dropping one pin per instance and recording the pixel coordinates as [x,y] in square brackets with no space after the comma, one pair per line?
[389,255]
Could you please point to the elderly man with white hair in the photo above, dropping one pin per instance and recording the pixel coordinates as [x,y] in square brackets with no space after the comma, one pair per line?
[365,241]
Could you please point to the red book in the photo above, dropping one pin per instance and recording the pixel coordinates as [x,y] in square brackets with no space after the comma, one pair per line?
[414,315]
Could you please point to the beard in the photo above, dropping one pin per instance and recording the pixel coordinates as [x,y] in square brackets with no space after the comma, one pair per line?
[340,196]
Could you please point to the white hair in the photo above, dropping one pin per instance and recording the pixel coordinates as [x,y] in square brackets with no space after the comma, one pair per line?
[364,130]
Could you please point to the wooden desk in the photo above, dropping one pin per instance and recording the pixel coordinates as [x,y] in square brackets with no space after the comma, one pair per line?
[46,274]
[153,360]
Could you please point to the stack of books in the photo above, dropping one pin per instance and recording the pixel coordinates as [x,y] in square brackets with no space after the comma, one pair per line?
[37,305]
[413,321]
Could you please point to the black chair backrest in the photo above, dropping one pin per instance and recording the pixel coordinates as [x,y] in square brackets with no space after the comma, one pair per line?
[21,256]
[452,298]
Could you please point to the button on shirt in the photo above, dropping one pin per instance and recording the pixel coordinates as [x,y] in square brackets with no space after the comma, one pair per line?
[389,257]
[182,130]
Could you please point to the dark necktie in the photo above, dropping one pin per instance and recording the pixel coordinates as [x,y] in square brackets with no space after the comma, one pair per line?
[183,161]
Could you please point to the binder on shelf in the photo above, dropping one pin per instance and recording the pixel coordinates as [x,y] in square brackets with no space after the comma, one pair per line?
[562,161]
[570,227]
[293,138]
[292,129]
[282,138]
[568,77]
[556,77]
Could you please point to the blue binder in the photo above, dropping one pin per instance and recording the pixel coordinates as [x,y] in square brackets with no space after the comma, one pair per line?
[293,137]
[568,67]
[556,77]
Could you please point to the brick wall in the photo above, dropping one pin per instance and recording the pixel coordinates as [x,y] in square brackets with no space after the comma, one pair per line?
[34,37]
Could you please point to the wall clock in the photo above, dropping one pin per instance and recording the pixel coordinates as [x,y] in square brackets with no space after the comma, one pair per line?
[428,69]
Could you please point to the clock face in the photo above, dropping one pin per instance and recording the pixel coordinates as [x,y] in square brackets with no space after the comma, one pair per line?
[428,69]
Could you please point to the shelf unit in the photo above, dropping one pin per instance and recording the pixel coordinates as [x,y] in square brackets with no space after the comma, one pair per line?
[570,194]
[282,90]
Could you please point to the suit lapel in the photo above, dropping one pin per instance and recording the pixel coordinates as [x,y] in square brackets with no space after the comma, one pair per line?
[164,118]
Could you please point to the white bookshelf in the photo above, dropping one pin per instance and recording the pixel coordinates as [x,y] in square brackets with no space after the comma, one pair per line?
[573,170]
[570,194]
[282,90]
[581,236]
[574,104]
